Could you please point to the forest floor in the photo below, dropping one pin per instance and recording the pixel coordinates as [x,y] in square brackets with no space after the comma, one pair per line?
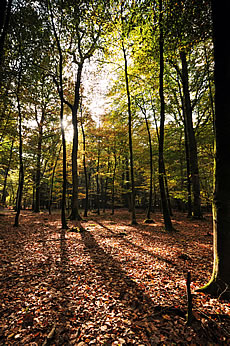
[109,284]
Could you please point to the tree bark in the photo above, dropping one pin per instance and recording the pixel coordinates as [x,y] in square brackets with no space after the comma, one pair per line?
[166,213]
[133,211]
[97,179]
[75,210]
[113,182]
[61,95]
[52,181]
[38,165]
[219,285]
[151,170]
[192,147]
[188,171]
[21,169]
[150,164]
[85,173]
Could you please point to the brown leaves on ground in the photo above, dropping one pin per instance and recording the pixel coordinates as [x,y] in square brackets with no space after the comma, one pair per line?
[106,282]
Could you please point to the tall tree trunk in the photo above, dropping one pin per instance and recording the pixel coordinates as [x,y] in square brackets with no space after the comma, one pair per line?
[6,174]
[21,169]
[64,170]
[188,171]
[61,95]
[219,285]
[210,88]
[167,196]
[133,211]
[85,172]
[150,164]
[52,181]
[113,182]
[106,187]
[126,184]
[75,209]
[151,171]
[188,177]
[166,213]
[192,147]
[97,180]
[167,190]
[38,165]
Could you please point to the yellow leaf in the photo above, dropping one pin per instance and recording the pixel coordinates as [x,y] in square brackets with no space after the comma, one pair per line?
[166,317]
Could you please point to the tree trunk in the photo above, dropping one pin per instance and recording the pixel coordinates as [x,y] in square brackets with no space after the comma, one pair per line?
[150,164]
[126,184]
[38,165]
[106,187]
[64,171]
[113,183]
[192,147]
[97,180]
[188,171]
[75,210]
[219,285]
[164,204]
[6,174]
[167,190]
[21,169]
[188,177]
[133,211]
[61,95]
[52,181]
[85,173]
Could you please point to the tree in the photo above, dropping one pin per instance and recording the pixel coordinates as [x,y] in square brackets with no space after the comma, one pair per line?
[84,162]
[59,84]
[166,213]
[45,95]
[150,160]
[219,283]
[86,18]
[190,139]
[126,27]
[21,168]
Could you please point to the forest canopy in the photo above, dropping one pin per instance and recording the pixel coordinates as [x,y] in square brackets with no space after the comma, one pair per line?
[106,66]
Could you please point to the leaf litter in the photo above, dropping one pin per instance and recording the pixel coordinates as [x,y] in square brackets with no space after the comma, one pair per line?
[109,284]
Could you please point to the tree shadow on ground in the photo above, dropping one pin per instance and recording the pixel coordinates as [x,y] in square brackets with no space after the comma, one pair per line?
[136,247]
[143,310]
[125,289]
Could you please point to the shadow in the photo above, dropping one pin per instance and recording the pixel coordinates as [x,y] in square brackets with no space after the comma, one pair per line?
[62,302]
[137,247]
[124,289]
[144,313]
